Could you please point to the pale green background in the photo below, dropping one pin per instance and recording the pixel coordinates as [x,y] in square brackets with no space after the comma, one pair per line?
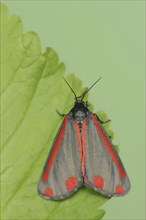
[105,38]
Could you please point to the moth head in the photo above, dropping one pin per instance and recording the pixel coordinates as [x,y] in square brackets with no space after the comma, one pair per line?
[79,102]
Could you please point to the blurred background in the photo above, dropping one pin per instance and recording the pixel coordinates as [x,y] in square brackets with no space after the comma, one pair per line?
[102,38]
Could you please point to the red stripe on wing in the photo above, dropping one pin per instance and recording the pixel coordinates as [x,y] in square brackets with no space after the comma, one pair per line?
[84,146]
[78,138]
[55,149]
[108,146]
[81,143]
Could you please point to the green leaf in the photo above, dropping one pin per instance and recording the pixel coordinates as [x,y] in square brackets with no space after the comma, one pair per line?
[32,88]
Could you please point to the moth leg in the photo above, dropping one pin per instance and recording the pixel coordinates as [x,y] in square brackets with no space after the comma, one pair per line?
[61,114]
[102,122]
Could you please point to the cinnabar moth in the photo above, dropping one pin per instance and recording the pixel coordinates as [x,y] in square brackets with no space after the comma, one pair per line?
[82,154]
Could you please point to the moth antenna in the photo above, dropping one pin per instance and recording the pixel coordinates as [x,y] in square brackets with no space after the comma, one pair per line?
[70,88]
[86,91]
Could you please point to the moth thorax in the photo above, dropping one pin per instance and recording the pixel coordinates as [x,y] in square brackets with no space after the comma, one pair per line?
[80,115]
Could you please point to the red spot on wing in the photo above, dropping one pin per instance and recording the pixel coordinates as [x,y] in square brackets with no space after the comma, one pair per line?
[48,192]
[119,189]
[108,146]
[98,182]
[71,182]
[54,151]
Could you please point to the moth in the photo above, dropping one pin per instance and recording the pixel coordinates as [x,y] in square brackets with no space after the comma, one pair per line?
[82,154]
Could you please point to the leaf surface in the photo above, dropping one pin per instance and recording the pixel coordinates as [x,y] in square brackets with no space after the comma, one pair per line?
[32,88]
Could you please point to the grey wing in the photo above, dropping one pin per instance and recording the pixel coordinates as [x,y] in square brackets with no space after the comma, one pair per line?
[105,172]
[62,176]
